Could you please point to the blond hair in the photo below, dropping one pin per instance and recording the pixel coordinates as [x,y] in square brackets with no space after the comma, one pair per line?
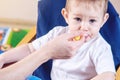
[102,3]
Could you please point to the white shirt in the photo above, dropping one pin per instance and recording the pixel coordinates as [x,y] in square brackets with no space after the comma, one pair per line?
[93,58]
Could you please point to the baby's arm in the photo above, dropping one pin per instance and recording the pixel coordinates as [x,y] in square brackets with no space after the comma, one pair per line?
[15,54]
[105,76]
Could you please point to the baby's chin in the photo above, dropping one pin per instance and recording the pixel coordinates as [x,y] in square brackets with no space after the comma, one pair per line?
[89,37]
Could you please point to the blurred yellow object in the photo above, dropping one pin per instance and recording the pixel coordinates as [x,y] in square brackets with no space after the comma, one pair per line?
[118,74]
[16,29]
[5,47]
[76,38]
[29,37]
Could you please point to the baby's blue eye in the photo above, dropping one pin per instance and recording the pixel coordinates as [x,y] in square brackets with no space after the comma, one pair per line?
[92,20]
[77,19]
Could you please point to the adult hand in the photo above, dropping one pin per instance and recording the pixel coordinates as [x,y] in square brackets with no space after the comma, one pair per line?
[63,46]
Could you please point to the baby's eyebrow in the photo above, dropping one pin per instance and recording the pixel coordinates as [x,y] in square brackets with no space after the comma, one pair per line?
[94,17]
[77,14]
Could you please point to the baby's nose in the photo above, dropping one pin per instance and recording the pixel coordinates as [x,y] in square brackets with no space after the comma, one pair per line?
[84,28]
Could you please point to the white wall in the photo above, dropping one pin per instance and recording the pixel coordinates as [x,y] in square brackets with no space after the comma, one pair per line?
[19,9]
[27,9]
[116,4]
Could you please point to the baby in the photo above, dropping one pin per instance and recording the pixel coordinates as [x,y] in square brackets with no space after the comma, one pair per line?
[94,59]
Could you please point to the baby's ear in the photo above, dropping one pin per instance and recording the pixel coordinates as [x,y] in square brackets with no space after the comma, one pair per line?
[106,17]
[65,14]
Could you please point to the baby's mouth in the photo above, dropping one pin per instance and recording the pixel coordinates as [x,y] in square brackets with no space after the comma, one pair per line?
[87,37]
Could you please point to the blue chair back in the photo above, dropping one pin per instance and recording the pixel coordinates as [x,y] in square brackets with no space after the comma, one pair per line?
[111,33]
[49,16]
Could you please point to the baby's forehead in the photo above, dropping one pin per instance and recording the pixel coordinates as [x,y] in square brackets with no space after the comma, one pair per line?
[87,2]
[99,3]
[96,4]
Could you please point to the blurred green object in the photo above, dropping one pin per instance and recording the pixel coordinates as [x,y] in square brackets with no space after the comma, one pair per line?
[16,35]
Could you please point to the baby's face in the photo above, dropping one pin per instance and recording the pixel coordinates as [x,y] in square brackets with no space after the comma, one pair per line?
[86,18]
